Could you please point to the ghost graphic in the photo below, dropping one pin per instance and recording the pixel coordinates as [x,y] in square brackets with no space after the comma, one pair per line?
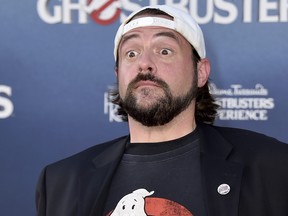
[132,204]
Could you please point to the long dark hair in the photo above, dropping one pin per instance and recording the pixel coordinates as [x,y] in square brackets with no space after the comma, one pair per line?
[206,107]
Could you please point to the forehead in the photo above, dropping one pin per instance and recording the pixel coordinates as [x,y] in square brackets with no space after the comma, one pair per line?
[153,32]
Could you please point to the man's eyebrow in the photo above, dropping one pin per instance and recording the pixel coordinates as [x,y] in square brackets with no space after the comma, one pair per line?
[168,34]
[125,38]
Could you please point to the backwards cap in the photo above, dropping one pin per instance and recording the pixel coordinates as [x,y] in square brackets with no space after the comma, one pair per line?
[182,23]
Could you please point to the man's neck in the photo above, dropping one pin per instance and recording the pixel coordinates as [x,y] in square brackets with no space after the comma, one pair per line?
[180,126]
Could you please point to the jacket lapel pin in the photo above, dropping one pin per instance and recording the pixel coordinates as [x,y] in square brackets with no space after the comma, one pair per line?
[223,189]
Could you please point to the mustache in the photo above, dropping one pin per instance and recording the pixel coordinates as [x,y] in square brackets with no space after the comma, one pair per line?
[148,77]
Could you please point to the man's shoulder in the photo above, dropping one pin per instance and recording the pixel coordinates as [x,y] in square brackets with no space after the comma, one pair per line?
[85,157]
[251,148]
[247,139]
[239,134]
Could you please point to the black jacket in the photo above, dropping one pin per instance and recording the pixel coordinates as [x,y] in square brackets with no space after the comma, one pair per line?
[254,165]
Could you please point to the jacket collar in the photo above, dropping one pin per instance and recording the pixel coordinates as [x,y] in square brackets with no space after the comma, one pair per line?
[213,143]
[94,186]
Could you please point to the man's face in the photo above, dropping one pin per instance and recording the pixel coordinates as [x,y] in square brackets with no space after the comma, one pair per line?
[155,74]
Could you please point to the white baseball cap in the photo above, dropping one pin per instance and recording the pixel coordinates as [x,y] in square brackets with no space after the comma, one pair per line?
[182,23]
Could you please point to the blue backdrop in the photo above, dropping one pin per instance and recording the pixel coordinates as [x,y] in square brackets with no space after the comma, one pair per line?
[56,65]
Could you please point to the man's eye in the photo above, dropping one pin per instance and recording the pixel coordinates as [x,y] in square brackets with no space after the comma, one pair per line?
[165,51]
[131,54]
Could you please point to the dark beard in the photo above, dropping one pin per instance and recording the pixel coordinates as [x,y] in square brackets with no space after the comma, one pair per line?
[162,111]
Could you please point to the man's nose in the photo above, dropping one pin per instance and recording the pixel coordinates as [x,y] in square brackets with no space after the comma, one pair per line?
[147,63]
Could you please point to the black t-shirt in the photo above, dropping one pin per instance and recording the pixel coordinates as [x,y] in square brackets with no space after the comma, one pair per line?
[158,179]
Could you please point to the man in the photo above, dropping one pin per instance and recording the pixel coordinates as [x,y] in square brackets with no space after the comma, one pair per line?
[174,162]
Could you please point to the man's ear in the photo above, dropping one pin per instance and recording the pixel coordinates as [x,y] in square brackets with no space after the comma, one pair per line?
[116,71]
[203,68]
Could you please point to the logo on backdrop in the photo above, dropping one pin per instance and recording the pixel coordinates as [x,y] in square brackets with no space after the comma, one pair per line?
[110,109]
[236,103]
[106,12]
[6,105]
[239,103]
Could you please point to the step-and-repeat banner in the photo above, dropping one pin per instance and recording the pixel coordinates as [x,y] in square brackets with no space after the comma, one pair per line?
[56,67]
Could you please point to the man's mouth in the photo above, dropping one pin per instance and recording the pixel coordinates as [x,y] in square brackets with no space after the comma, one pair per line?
[144,83]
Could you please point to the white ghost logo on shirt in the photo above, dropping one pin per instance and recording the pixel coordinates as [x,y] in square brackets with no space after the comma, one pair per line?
[132,204]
